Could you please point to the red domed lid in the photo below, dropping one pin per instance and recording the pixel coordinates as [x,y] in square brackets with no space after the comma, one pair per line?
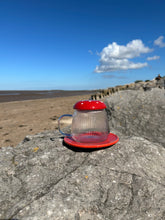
[89,105]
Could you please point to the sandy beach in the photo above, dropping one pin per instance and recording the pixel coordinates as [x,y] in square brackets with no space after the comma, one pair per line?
[21,118]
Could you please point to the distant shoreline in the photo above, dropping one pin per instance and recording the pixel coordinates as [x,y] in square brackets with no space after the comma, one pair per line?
[20,95]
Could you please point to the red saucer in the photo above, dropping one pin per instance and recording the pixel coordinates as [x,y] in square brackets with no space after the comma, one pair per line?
[111,140]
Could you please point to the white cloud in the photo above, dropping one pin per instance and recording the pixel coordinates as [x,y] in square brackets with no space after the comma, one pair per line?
[153,58]
[159,42]
[89,51]
[118,64]
[116,57]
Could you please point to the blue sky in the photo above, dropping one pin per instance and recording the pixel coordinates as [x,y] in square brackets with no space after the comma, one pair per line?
[80,44]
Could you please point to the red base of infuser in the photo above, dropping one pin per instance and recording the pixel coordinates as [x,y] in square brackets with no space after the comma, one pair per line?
[111,140]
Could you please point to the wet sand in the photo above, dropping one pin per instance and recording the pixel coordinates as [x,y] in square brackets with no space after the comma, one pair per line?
[10,96]
[21,118]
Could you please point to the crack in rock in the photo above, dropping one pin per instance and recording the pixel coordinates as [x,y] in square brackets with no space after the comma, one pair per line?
[133,174]
[48,189]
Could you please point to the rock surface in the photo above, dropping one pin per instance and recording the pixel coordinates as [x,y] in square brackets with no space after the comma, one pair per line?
[42,178]
[139,113]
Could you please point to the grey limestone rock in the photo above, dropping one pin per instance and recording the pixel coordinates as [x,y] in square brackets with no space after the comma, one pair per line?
[42,178]
[138,113]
